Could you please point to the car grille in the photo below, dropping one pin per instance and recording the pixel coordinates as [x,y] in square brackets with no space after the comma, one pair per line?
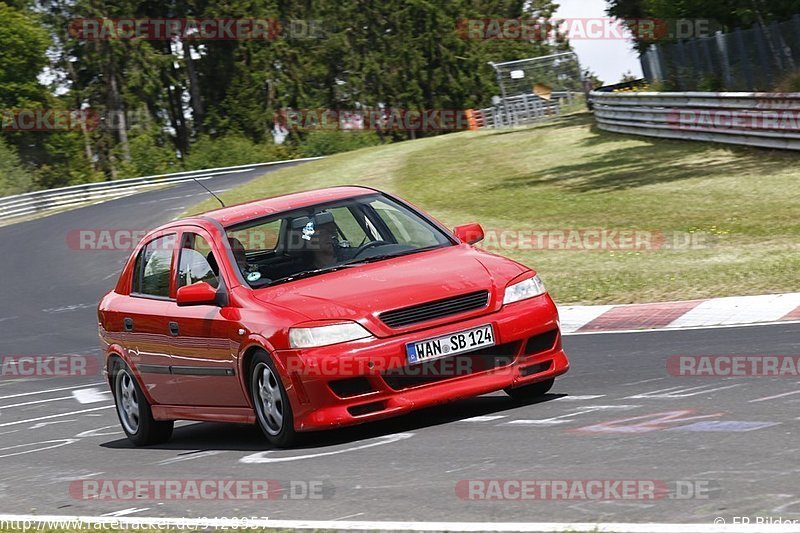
[459,365]
[454,305]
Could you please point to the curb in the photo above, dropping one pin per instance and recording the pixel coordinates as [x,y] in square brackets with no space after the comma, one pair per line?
[733,310]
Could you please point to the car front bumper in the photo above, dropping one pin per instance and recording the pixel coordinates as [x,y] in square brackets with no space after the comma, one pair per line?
[370,379]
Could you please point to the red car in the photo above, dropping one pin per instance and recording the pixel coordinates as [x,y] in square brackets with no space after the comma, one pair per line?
[317,310]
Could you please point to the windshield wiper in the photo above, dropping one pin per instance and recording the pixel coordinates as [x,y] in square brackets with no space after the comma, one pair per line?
[308,273]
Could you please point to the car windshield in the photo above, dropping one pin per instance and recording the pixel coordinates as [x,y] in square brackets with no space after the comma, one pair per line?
[329,236]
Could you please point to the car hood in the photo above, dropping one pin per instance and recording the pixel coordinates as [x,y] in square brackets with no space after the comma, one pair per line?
[362,292]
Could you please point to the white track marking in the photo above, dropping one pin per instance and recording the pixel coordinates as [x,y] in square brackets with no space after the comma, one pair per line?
[578,398]
[96,432]
[483,418]
[640,382]
[190,457]
[92,395]
[561,419]
[73,307]
[63,522]
[677,392]
[263,457]
[126,512]
[54,416]
[35,402]
[776,396]
[46,391]
[43,424]
[348,516]
[52,444]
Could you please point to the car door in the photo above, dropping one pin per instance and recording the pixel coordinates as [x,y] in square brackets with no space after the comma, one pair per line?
[204,341]
[143,316]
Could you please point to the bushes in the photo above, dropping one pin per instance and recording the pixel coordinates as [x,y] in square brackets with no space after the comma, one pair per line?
[231,150]
[150,155]
[14,179]
[317,143]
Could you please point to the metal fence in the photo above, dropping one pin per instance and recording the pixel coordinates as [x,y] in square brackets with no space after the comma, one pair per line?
[34,202]
[524,109]
[755,59]
[768,120]
[532,89]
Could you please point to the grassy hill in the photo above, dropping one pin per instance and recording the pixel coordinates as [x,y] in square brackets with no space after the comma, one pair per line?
[733,212]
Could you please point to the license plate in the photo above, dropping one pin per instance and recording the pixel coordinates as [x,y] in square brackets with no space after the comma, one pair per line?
[447,345]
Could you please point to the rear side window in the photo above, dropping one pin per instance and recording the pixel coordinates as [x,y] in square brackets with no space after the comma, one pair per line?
[151,273]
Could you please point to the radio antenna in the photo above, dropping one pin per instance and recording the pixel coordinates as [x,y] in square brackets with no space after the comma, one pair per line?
[210,192]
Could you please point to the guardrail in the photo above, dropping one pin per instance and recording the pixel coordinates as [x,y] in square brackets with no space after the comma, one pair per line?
[767,120]
[34,202]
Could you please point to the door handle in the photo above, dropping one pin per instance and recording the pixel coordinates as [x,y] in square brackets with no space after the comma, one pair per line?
[173,329]
[127,323]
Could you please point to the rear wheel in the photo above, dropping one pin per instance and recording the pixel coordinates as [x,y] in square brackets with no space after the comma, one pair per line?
[532,391]
[134,412]
[273,411]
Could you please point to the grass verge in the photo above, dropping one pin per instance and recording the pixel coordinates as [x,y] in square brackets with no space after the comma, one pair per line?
[734,212]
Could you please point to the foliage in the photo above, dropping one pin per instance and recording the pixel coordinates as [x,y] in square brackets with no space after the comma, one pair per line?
[233,149]
[14,179]
[723,15]
[319,143]
[184,103]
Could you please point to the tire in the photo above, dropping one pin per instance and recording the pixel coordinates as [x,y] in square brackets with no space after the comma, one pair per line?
[133,410]
[530,392]
[273,410]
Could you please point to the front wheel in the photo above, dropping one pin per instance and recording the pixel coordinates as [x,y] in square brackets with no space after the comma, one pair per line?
[273,411]
[530,392]
[134,412]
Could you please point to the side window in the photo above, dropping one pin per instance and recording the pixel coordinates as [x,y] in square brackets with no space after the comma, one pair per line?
[153,266]
[197,262]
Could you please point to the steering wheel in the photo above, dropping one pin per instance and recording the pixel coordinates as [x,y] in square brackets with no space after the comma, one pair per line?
[371,244]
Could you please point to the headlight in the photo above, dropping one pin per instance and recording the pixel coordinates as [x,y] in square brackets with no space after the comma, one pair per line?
[524,289]
[325,335]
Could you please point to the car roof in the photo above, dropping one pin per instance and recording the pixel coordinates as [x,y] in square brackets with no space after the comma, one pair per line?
[234,214]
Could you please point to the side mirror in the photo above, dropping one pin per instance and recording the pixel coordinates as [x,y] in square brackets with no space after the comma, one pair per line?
[200,293]
[469,233]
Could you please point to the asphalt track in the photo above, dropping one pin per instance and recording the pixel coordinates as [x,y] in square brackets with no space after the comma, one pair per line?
[739,456]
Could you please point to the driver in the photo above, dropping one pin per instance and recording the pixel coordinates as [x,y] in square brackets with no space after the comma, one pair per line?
[322,246]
